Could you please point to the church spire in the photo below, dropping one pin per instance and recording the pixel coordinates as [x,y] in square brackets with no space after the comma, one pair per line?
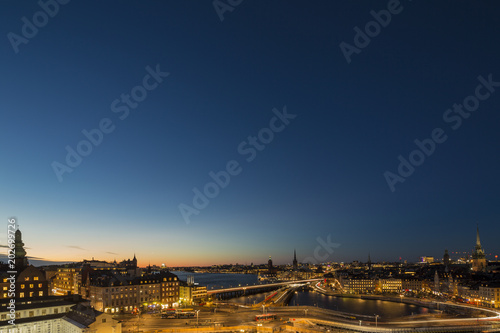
[478,241]
[295,265]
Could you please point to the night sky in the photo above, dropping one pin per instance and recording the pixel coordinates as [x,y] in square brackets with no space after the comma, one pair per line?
[115,116]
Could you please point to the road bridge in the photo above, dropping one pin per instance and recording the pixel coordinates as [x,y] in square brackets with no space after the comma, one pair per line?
[248,290]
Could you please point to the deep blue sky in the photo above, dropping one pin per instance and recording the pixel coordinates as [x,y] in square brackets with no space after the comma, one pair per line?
[322,175]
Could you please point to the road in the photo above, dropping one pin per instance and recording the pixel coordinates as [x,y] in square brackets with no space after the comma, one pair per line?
[246,316]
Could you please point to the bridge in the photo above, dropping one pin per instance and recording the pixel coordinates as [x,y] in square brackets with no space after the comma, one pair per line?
[249,290]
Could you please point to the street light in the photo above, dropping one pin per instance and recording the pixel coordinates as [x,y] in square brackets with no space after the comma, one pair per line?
[197,317]
[376,317]
[305,311]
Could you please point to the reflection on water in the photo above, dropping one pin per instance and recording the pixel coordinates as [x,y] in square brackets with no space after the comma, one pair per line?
[366,307]
[249,300]
[352,305]
[358,306]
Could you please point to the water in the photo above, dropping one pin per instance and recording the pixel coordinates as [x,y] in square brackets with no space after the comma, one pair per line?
[384,309]
[367,307]
[217,281]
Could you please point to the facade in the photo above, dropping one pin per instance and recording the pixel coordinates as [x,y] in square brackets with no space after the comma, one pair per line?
[67,281]
[169,289]
[30,284]
[199,293]
[413,285]
[390,285]
[489,294]
[190,293]
[355,285]
[56,316]
[114,293]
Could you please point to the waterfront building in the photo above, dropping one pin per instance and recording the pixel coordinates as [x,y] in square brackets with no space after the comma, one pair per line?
[389,285]
[358,285]
[190,293]
[414,285]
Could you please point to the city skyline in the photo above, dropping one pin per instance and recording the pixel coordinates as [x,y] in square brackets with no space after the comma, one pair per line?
[455,255]
[193,135]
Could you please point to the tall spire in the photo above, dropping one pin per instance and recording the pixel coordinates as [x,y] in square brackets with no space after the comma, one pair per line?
[478,241]
[295,265]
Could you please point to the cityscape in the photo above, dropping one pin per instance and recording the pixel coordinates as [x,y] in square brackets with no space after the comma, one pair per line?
[123,296]
[250,166]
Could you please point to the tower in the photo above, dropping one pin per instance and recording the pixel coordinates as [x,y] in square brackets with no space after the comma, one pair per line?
[134,262]
[478,257]
[446,258]
[369,262]
[295,266]
[270,265]
[20,257]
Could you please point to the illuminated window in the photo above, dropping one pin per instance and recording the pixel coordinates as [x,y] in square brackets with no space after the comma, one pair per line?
[35,278]
[27,278]
[22,286]
[31,285]
[21,295]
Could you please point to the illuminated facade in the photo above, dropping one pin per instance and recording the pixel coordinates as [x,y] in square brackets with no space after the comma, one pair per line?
[67,281]
[358,285]
[390,285]
[489,294]
[30,284]
[114,293]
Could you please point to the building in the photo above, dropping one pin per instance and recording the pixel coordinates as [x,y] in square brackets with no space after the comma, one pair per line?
[67,281]
[169,289]
[199,293]
[190,293]
[446,258]
[295,265]
[54,314]
[478,256]
[30,282]
[489,294]
[114,293]
[414,285]
[358,285]
[390,285]
[427,260]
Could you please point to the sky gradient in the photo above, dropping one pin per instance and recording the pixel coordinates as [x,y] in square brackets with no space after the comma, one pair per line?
[320,176]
